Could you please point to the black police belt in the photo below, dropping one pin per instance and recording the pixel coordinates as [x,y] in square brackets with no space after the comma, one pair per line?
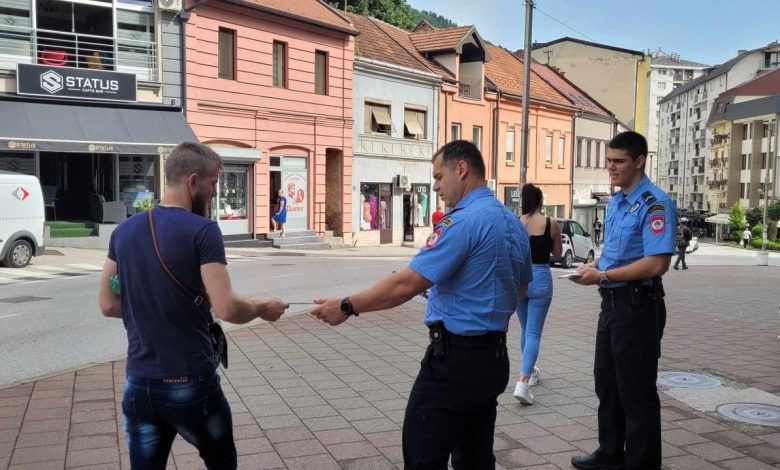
[443,340]
[635,289]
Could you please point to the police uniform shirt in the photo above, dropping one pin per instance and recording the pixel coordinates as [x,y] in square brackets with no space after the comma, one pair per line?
[477,257]
[638,225]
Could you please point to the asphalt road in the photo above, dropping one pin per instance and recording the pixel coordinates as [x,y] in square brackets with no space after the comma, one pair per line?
[63,329]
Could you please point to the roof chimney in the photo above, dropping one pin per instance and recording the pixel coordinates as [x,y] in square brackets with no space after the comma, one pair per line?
[741,51]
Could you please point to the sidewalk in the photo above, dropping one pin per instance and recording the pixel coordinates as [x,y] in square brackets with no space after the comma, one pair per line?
[307,396]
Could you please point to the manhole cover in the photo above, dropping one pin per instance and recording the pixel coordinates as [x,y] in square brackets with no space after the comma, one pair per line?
[751,413]
[687,380]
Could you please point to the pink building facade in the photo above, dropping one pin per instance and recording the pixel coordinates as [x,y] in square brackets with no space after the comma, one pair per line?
[269,87]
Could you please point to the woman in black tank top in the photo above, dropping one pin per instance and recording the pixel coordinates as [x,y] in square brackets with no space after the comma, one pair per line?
[533,308]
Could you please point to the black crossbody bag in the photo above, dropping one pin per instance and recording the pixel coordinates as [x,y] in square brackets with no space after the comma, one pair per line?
[201,300]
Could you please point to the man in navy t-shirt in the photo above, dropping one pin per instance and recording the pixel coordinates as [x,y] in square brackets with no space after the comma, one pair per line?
[172,385]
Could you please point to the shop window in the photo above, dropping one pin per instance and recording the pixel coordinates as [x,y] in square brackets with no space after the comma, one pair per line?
[414,124]
[371,210]
[18,162]
[321,73]
[579,153]
[378,119]
[280,64]
[233,193]
[137,179]
[420,205]
[227,54]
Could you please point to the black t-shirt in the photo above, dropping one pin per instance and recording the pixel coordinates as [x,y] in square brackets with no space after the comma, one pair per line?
[167,334]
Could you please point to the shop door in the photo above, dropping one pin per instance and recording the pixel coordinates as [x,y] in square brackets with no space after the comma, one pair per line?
[385,214]
[78,177]
[295,184]
[233,195]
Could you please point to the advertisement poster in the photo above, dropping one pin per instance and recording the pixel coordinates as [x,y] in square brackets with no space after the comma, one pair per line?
[296,191]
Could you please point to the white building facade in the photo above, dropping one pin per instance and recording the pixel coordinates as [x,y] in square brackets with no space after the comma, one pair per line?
[684,138]
[667,72]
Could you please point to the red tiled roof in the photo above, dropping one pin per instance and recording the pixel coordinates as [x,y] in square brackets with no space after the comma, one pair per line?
[403,39]
[578,97]
[440,39]
[506,71]
[309,11]
[374,43]
[767,84]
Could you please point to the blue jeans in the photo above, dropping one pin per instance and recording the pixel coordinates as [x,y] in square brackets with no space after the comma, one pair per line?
[155,411]
[532,311]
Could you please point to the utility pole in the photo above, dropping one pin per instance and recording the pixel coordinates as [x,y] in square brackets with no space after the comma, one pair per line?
[770,157]
[529,11]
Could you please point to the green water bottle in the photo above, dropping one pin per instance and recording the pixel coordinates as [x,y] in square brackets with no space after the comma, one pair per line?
[113,284]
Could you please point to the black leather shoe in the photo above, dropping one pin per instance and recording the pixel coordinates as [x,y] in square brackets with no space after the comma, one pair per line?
[598,461]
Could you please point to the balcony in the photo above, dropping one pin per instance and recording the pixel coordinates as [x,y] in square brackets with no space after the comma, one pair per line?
[769,64]
[131,51]
[719,139]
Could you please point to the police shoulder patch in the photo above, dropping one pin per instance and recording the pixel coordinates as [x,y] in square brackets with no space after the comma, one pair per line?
[648,197]
[656,208]
[433,238]
[446,222]
[657,224]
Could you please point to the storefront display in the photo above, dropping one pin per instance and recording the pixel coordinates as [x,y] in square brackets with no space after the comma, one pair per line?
[233,193]
[369,193]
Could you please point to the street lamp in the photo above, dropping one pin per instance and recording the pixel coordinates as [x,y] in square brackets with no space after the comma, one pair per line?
[763,256]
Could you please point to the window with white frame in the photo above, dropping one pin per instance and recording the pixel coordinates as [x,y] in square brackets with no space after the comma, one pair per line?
[662,85]
[510,145]
[476,137]
[455,131]
[548,148]
[561,151]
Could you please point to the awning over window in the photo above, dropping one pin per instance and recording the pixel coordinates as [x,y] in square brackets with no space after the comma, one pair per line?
[90,129]
[412,121]
[381,115]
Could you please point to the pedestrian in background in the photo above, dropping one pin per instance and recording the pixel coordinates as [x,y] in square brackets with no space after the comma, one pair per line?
[682,239]
[597,231]
[545,238]
[478,262]
[746,236]
[638,247]
[280,212]
[171,266]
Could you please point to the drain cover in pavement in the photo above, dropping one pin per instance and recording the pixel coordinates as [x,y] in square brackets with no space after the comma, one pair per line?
[687,380]
[751,413]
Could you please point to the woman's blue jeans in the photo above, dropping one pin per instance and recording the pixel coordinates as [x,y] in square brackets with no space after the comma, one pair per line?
[532,311]
[156,410]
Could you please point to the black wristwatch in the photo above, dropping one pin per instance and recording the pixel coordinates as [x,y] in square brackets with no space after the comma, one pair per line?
[346,307]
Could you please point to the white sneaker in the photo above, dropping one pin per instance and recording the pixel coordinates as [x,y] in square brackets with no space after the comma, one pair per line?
[523,393]
[534,379]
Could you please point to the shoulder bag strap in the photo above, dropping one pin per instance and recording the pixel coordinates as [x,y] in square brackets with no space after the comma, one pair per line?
[197,299]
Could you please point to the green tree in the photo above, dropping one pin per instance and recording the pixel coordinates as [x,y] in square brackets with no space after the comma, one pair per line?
[774,211]
[396,12]
[754,216]
[737,222]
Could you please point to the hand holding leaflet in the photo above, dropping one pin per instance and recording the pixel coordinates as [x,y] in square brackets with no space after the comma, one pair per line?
[570,275]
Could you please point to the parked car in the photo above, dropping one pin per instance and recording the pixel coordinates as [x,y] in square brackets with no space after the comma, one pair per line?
[22,213]
[577,244]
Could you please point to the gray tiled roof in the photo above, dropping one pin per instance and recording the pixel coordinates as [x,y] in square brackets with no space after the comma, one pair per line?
[668,61]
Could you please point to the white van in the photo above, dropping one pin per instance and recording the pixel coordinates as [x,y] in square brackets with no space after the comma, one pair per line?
[21,218]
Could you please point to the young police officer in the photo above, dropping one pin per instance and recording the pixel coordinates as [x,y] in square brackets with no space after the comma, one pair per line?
[478,260]
[638,246]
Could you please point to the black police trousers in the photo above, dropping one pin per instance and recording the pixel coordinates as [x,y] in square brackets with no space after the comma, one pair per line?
[452,407]
[626,367]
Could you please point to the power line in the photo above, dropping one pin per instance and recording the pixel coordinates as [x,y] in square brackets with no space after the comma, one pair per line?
[564,24]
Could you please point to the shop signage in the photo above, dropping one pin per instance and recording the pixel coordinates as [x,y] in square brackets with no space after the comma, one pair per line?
[511,196]
[69,82]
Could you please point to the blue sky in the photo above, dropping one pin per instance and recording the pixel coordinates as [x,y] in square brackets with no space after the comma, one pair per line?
[721,27]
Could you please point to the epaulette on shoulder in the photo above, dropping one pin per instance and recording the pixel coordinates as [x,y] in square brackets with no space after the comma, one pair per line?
[648,197]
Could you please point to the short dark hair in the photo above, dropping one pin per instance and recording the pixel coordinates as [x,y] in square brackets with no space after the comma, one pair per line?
[531,199]
[632,142]
[188,158]
[457,150]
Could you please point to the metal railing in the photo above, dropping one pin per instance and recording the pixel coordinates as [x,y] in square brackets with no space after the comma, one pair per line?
[58,48]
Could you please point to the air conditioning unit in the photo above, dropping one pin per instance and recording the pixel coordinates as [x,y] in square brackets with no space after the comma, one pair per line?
[404,181]
[491,184]
[169,5]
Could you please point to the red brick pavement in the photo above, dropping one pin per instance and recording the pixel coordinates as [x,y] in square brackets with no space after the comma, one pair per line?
[304,395]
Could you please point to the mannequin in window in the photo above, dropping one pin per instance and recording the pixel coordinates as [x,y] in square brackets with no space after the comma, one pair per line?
[372,205]
[382,214]
[365,222]
[423,207]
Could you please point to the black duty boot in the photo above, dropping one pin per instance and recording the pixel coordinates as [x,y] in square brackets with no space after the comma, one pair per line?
[598,461]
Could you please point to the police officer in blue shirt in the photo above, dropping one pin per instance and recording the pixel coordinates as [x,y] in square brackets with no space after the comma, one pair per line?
[638,247]
[477,263]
